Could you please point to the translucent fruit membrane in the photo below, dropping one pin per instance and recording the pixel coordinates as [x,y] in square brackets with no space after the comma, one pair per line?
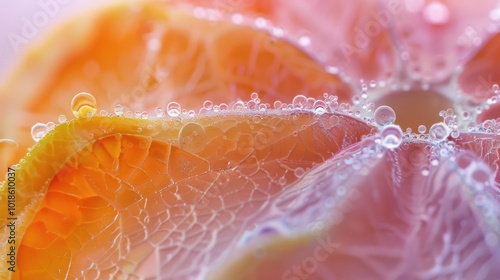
[131,197]
[181,142]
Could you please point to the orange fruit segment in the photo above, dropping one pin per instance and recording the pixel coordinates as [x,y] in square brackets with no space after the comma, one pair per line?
[121,197]
[149,55]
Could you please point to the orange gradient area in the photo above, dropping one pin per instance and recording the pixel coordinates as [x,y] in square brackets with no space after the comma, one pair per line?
[119,197]
[480,73]
[150,54]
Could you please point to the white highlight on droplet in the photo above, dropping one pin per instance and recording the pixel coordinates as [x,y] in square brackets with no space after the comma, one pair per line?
[436,13]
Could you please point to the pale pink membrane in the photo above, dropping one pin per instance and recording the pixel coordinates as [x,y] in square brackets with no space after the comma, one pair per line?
[436,36]
[486,146]
[392,214]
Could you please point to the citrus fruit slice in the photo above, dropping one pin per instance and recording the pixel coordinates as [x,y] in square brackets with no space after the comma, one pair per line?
[117,197]
[146,56]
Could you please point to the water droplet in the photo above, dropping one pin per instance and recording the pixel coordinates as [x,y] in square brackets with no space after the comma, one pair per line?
[334,120]
[239,106]
[38,131]
[299,101]
[50,126]
[282,181]
[392,136]
[455,134]
[174,109]
[277,105]
[425,172]
[61,118]
[192,137]
[495,14]
[207,104]
[422,129]
[254,96]
[299,172]
[384,115]
[439,132]
[496,88]
[436,13]
[83,105]
[159,112]
[118,109]
[481,174]
[373,83]
[304,41]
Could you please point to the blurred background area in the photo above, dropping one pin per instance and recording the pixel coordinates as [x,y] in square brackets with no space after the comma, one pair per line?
[24,23]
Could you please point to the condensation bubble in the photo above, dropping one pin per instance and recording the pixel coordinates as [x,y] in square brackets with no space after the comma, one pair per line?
[277,105]
[465,115]
[239,106]
[436,13]
[304,41]
[455,134]
[373,83]
[384,115]
[254,96]
[422,129]
[439,132]
[207,104]
[192,137]
[495,88]
[174,109]
[299,172]
[38,131]
[425,172]
[392,136]
[334,120]
[50,125]
[118,109]
[83,105]
[282,181]
[481,174]
[159,112]
[299,101]
[61,118]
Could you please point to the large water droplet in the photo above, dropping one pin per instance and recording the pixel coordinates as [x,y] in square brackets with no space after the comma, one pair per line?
[192,137]
[83,105]
[118,109]
[439,132]
[384,115]
[174,109]
[436,13]
[299,101]
[38,131]
[392,136]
